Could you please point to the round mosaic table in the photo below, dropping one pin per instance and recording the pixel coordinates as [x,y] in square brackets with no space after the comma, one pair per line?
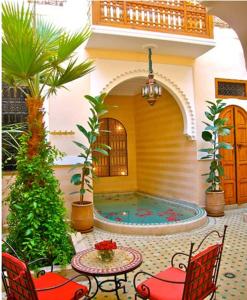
[124,261]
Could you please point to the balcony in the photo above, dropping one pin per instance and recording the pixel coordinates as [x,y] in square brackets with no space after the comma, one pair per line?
[175,27]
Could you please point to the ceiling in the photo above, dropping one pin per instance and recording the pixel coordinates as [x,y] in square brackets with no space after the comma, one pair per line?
[130,87]
[235,14]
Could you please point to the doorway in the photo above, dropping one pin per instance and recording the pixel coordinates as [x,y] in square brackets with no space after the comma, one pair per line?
[235,161]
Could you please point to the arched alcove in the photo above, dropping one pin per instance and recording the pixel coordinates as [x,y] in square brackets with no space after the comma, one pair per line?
[185,105]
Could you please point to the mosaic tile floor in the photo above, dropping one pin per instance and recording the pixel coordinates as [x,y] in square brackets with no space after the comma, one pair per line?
[157,251]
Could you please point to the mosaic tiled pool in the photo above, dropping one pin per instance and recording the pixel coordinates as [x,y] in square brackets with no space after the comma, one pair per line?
[137,210]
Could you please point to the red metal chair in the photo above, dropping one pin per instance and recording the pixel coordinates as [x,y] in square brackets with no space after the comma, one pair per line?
[19,283]
[194,280]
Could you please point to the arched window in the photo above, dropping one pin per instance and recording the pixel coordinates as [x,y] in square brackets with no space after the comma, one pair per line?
[112,133]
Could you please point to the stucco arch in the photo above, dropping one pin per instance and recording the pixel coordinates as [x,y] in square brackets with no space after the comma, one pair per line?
[182,100]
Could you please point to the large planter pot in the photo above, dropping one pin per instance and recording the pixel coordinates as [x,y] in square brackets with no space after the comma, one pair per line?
[82,216]
[215,203]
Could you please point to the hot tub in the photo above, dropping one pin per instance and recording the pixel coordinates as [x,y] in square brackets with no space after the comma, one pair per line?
[138,213]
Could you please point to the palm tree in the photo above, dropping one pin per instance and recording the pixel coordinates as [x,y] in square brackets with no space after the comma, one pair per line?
[38,56]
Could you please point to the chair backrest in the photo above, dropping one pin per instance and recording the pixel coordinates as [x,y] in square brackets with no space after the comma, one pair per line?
[18,280]
[203,268]
[201,274]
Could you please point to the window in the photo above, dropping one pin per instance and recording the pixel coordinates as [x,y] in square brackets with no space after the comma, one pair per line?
[230,88]
[14,110]
[113,134]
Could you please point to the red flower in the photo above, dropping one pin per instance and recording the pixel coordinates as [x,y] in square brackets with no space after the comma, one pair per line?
[106,245]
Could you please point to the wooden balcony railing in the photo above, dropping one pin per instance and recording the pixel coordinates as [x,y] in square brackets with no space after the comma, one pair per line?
[171,16]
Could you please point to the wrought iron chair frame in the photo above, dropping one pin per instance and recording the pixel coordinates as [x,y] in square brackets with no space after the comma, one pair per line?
[182,266]
[78,294]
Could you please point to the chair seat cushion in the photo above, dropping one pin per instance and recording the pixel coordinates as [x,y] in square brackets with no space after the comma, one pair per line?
[160,290]
[67,291]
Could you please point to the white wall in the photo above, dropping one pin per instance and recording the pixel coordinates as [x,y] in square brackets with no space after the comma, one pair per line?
[68,108]
[226,60]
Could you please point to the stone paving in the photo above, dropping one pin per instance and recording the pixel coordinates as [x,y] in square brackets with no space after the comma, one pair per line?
[158,250]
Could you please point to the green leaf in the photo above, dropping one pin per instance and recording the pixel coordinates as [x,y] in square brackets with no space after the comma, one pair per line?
[80,145]
[224,131]
[17,206]
[28,231]
[83,130]
[218,101]
[207,157]
[220,170]
[102,151]
[105,146]
[213,165]
[82,191]
[224,145]
[76,179]
[212,103]
[209,116]
[208,150]
[207,136]
[210,127]
[219,156]
[206,123]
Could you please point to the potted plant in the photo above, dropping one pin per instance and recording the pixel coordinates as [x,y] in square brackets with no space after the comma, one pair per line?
[215,127]
[38,59]
[82,210]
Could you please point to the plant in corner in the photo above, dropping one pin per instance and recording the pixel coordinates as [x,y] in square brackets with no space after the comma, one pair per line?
[82,211]
[215,127]
[38,59]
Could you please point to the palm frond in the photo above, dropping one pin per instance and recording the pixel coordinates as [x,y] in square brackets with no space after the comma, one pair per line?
[72,72]
[31,56]
[49,34]
[70,42]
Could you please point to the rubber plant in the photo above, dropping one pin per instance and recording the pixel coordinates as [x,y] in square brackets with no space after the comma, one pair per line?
[82,218]
[39,58]
[215,128]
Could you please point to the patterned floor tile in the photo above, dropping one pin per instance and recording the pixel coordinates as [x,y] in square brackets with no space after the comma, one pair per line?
[158,250]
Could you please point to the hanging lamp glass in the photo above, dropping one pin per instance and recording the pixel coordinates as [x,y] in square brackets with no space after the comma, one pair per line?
[151,91]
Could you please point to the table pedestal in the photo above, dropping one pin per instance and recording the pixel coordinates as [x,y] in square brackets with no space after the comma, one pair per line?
[118,284]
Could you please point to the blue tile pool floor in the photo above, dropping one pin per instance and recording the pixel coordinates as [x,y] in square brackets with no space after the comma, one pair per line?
[137,208]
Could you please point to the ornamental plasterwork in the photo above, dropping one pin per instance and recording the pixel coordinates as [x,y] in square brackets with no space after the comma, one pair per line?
[220,23]
[182,100]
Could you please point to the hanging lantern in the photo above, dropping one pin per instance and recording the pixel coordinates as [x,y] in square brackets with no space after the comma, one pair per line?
[151,91]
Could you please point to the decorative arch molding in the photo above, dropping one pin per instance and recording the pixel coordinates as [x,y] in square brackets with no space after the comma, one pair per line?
[182,100]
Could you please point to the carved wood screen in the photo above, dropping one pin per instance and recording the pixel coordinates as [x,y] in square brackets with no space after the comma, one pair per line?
[230,88]
[113,134]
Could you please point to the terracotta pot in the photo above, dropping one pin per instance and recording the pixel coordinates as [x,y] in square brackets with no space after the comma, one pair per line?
[215,203]
[82,216]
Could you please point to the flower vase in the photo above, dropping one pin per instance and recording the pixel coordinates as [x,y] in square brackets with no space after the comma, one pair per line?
[105,255]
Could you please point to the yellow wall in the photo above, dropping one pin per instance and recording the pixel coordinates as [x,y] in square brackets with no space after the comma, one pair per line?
[161,160]
[122,109]
[166,159]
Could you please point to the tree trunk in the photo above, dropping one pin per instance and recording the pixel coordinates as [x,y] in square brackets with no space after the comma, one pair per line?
[35,124]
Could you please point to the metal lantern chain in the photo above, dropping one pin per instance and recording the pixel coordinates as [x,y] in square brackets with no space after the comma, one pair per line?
[150,64]
[151,91]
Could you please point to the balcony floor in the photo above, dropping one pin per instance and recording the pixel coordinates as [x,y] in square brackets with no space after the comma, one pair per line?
[132,40]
